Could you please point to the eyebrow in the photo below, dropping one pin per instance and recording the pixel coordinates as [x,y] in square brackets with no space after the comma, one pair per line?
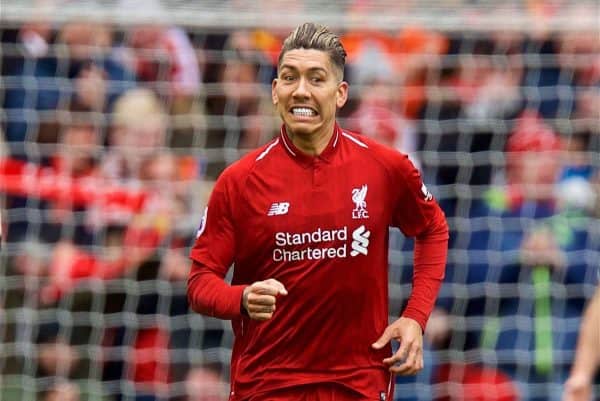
[311,69]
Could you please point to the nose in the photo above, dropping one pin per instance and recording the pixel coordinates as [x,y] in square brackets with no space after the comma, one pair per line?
[301,91]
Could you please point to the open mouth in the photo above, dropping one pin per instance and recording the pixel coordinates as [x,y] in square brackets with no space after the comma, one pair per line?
[303,112]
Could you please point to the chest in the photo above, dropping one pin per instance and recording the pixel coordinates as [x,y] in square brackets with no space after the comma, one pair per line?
[323,197]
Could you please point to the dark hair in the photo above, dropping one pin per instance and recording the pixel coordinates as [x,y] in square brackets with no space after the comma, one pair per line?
[315,36]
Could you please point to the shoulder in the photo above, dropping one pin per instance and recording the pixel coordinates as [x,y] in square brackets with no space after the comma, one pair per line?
[387,157]
[239,170]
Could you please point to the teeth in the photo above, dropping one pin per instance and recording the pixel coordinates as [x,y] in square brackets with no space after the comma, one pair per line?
[303,111]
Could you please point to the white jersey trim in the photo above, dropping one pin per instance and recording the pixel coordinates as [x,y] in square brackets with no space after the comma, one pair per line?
[337,136]
[283,138]
[267,150]
[356,141]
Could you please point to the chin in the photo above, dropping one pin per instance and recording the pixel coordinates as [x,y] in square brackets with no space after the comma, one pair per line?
[303,131]
[299,129]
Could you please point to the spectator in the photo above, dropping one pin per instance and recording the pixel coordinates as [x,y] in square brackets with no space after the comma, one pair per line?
[29,63]
[245,96]
[529,243]
[488,88]
[96,74]
[205,384]
[575,189]
[406,58]
[159,53]
[418,62]
[545,78]
[150,222]
[139,129]
[82,202]
[370,55]
[374,118]
[165,60]
[241,112]
[60,188]
[81,69]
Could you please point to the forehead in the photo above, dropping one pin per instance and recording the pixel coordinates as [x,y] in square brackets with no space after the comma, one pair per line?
[306,59]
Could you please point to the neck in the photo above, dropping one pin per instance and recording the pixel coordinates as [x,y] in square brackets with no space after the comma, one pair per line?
[312,144]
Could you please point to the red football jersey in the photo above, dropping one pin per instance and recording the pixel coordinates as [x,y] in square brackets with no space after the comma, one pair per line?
[319,225]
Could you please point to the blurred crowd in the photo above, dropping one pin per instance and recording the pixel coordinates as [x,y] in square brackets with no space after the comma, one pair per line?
[112,136]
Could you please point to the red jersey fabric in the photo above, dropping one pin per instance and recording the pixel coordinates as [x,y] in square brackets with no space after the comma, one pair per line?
[315,392]
[319,225]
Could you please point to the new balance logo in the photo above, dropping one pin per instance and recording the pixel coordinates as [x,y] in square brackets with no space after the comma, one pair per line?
[360,241]
[278,208]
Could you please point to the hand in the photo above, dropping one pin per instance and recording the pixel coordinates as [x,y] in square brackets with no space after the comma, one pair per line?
[578,388]
[259,298]
[408,360]
[540,248]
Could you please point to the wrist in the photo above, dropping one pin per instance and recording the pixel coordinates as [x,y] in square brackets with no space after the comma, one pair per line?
[408,314]
[244,301]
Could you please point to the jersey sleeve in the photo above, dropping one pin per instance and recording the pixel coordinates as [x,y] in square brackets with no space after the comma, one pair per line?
[213,254]
[418,215]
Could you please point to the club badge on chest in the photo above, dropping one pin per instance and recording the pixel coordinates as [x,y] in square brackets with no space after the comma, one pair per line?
[360,204]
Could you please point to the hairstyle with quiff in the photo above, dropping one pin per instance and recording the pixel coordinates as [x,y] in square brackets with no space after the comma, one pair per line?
[316,36]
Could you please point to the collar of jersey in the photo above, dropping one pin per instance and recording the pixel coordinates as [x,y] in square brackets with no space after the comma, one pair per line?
[308,160]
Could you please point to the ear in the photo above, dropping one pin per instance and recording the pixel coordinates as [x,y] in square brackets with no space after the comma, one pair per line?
[274,97]
[341,94]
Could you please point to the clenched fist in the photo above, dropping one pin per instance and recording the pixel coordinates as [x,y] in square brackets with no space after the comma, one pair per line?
[259,299]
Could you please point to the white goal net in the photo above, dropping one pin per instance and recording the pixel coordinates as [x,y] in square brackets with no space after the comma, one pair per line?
[117,116]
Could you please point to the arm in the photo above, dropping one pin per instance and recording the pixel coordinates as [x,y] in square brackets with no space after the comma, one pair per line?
[431,250]
[213,254]
[417,214]
[429,259]
[587,355]
[210,295]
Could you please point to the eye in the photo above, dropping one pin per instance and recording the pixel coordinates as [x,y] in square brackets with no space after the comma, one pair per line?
[288,78]
[316,80]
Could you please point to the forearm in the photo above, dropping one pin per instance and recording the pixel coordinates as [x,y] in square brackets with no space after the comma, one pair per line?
[430,257]
[587,355]
[210,295]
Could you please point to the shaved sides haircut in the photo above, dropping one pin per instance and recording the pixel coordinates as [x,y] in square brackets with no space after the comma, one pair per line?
[315,36]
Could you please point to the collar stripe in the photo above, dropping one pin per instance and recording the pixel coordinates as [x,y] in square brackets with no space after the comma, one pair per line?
[267,150]
[283,137]
[356,141]
[337,135]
